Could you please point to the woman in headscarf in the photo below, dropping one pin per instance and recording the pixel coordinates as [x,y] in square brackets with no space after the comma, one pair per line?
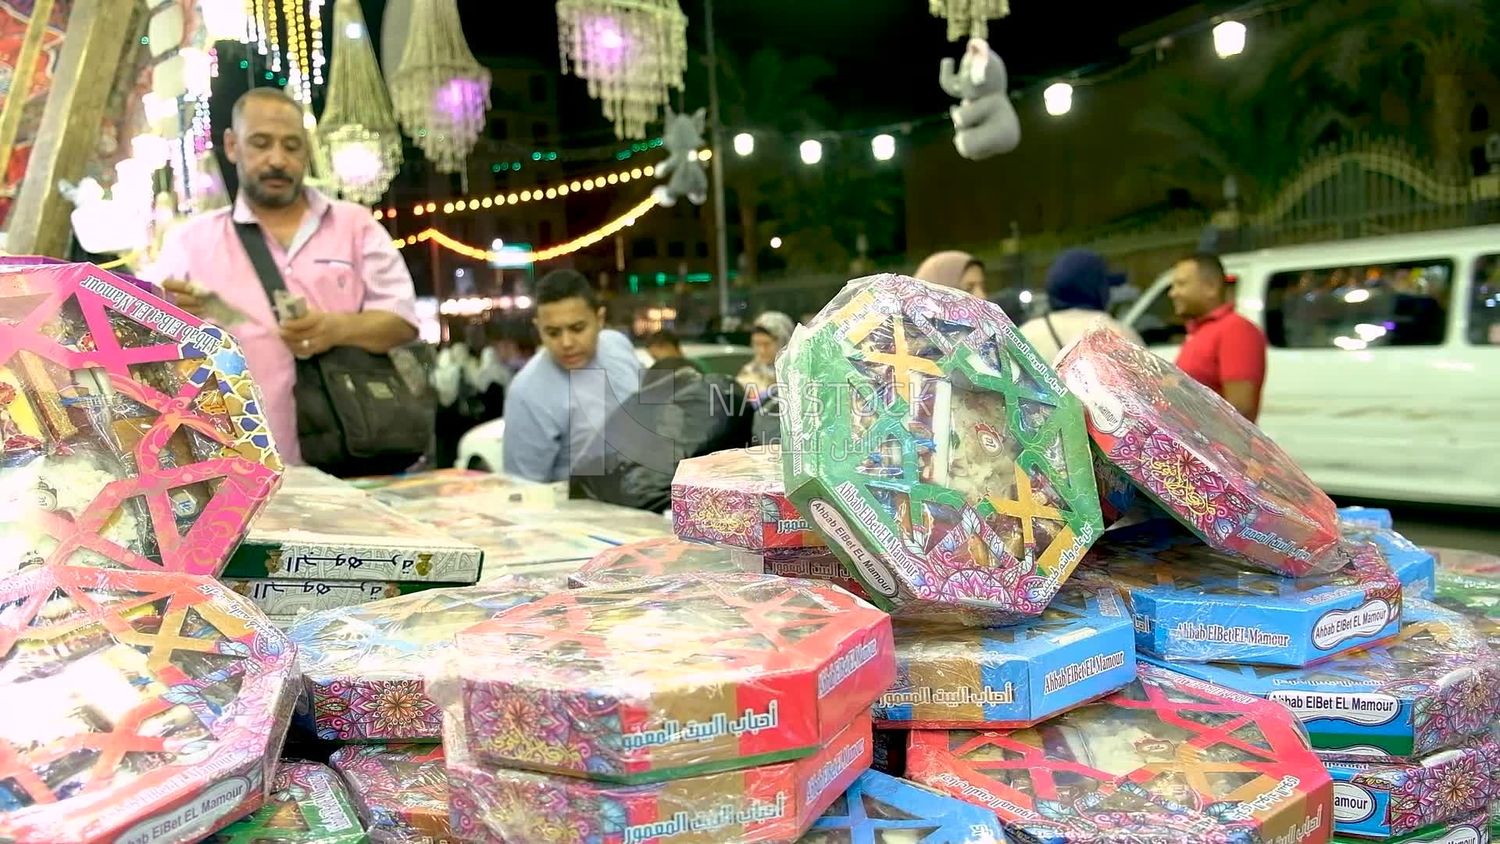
[769,336]
[954,269]
[1078,285]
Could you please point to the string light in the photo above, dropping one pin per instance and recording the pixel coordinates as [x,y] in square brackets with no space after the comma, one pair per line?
[319,56]
[545,191]
[581,242]
[273,36]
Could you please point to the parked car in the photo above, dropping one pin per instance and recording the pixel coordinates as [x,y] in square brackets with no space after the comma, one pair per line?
[1383,373]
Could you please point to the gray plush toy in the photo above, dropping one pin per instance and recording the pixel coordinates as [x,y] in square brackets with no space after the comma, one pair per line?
[682,135]
[985,120]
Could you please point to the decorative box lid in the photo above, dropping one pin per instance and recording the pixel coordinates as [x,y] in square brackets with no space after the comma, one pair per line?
[308,805]
[737,497]
[400,791]
[881,809]
[653,558]
[942,458]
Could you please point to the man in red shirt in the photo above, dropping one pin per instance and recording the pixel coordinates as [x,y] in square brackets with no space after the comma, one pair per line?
[1223,351]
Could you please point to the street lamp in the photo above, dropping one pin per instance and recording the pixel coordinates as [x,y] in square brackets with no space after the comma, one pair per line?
[776,242]
[883,147]
[744,144]
[1229,39]
[1058,98]
[497,244]
[811,151]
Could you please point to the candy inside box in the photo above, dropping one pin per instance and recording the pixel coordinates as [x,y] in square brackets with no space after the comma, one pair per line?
[941,457]
[155,705]
[364,668]
[1194,454]
[1415,567]
[131,434]
[653,680]
[885,810]
[1168,758]
[1395,798]
[1082,647]
[399,790]
[737,497]
[1194,604]
[308,805]
[1434,685]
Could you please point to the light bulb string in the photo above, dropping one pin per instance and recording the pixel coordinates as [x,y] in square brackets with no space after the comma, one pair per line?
[468,250]
[535,193]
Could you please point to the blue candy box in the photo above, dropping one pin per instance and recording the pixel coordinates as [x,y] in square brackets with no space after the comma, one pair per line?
[878,808]
[1415,567]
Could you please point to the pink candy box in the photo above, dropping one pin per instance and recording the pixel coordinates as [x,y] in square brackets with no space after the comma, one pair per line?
[737,497]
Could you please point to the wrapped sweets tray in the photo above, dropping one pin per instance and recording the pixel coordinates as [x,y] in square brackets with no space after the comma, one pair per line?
[1199,459]
[653,558]
[289,597]
[1415,567]
[881,809]
[1476,597]
[941,457]
[1381,799]
[670,677]
[399,790]
[364,668]
[1166,759]
[1432,686]
[736,497]
[768,803]
[444,484]
[308,805]
[338,536]
[131,434]
[1475,829]
[812,563]
[1194,604]
[1082,647]
[155,706]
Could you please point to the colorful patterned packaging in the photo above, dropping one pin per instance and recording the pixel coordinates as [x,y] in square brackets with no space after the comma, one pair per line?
[400,791]
[339,536]
[881,809]
[1370,516]
[1395,798]
[363,668]
[770,803]
[653,558]
[1435,685]
[940,456]
[1475,829]
[1082,647]
[308,805]
[670,677]
[811,563]
[1167,759]
[1415,567]
[1458,561]
[1197,457]
[1117,495]
[488,489]
[291,598]
[736,497]
[1476,597]
[1194,604]
[146,706]
[131,434]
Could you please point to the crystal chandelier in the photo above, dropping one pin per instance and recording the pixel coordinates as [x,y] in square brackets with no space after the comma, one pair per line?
[358,128]
[440,92]
[631,52]
[969,18]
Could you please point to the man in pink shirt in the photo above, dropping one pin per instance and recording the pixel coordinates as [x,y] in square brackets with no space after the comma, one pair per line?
[331,253]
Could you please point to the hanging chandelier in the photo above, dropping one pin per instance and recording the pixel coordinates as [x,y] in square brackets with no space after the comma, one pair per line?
[969,18]
[358,129]
[631,53]
[441,93]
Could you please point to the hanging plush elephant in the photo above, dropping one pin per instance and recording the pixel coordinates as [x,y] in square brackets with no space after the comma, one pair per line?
[984,120]
[682,136]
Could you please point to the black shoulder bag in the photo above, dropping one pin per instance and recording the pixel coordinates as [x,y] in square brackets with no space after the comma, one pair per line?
[358,413]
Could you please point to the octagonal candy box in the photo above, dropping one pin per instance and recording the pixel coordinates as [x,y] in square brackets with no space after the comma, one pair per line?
[155,705]
[1396,798]
[1168,759]
[882,809]
[942,459]
[399,790]
[131,435]
[1194,454]
[653,558]
[670,676]
[363,667]
[737,497]
[308,805]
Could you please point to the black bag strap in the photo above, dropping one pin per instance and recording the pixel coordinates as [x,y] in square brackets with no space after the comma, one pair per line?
[254,241]
[1047,318]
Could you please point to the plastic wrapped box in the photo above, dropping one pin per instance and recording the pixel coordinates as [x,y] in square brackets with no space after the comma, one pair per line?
[447,484]
[1082,647]
[812,563]
[308,805]
[670,676]
[286,598]
[653,558]
[131,434]
[1476,597]
[1194,604]
[737,497]
[1459,561]
[939,455]
[1371,516]
[364,668]
[1475,829]
[881,809]
[145,706]
[399,790]
[1434,685]
[1415,567]
[1167,759]
[1194,454]
[1383,799]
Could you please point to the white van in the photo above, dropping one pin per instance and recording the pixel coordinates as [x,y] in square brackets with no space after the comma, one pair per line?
[1384,368]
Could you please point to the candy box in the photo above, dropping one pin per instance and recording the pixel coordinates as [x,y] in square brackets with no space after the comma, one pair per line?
[400,791]
[1476,597]
[1474,829]
[890,752]
[767,803]
[131,434]
[939,455]
[814,563]
[670,677]
[1082,647]
[1166,759]
[1458,561]
[1371,516]
[1434,685]
[653,558]
[1192,603]
[1379,799]
[881,809]
[363,667]
[1193,453]
[445,484]
[1415,567]
[737,497]
[145,705]
[308,805]
[301,480]
[338,536]
[290,598]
